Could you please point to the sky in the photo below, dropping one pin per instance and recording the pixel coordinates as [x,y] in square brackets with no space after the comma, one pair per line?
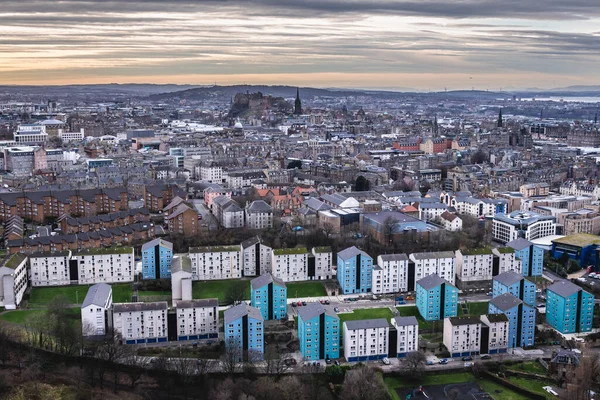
[383,44]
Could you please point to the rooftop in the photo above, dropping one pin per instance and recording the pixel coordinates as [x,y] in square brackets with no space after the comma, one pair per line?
[234,313]
[215,249]
[404,321]
[579,240]
[564,288]
[367,324]
[288,251]
[97,295]
[197,303]
[104,251]
[465,320]
[477,252]
[15,260]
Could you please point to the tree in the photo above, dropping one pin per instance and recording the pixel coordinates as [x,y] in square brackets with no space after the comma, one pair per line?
[6,336]
[294,164]
[236,293]
[364,384]
[233,356]
[405,185]
[479,157]
[361,184]
[389,225]
[135,365]
[415,363]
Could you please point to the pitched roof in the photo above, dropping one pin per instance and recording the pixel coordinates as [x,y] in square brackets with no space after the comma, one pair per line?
[197,303]
[405,321]
[181,263]
[131,307]
[264,280]
[350,252]
[519,244]
[312,310]
[157,242]
[505,302]
[564,288]
[394,257]
[456,321]
[97,295]
[259,206]
[241,310]
[508,278]
[431,281]
[367,324]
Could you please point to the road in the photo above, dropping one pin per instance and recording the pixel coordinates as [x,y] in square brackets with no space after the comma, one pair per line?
[207,217]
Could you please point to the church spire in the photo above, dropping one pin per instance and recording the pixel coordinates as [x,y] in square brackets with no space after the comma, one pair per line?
[298,103]
[500,123]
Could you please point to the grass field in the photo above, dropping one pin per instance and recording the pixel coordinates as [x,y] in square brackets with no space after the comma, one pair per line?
[305,289]
[42,296]
[148,293]
[532,367]
[366,313]
[394,383]
[532,384]
[475,309]
[20,316]
[218,289]
[424,325]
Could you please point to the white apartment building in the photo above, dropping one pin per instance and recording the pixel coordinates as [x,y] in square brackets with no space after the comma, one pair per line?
[197,319]
[323,259]
[13,280]
[217,262]
[497,326]
[366,339]
[390,275]
[507,260]
[30,133]
[259,215]
[50,269]
[431,211]
[407,329]
[462,336]
[441,263]
[474,207]
[71,136]
[508,227]
[290,265]
[256,257]
[108,265]
[181,279]
[138,323]
[474,265]
[211,174]
[94,309]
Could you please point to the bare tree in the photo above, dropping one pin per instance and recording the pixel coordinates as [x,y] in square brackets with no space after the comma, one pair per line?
[584,378]
[236,293]
[233,356]
[274,361]
[415,363]
[389,224]
[135,365]
[6,335]
[364,384]
[327,228]
[186,370]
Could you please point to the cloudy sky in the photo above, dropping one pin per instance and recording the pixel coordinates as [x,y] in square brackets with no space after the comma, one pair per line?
[422,44]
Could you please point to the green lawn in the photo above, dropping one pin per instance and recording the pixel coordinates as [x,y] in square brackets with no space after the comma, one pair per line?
[218,289]
[532,367]
[532,384]
[305,289]
[42,296]
[20,316]
[394,383]
[366,313]
[423,325]
[475,309]
[148,293]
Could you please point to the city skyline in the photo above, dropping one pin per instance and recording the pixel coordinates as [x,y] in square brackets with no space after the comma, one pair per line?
[427,45]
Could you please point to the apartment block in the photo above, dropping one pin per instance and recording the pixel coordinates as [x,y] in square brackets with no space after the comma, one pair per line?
[474,265]
[197,319]
[104,265]
[50,269]
[569,308]
[515,284]
[269,295]
[462,336]
[318,332]
[13,280]
[390,275]
[354,271]
[290,265]
[530,255]
[139,323]
[256,257]
[494,334]
[157,255]
[320,263]
[244,333]
[442,263]
[436,298]
[407,335]
[366,340]
[95,310]
[521,319]
[216,262]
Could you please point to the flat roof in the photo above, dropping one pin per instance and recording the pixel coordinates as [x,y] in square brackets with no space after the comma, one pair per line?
[579,240]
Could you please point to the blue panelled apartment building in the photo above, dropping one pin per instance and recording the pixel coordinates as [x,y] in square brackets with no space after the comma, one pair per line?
[157,256]
[515,284]
[318,332]
[436,298]
[531,256]
[354,271]
[269,295]
[521,319]
[569,308]
[244,332]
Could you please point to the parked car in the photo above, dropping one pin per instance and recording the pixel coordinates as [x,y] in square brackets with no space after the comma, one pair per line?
[485,357]
[336,309]
[467,358]
[336,362]
[328,361]
[386,361]
[489,294]
[410,297]
[444,361]
[290,361]
[294,304]
[299,303]
[327,302]
[303,303]
[322,301]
